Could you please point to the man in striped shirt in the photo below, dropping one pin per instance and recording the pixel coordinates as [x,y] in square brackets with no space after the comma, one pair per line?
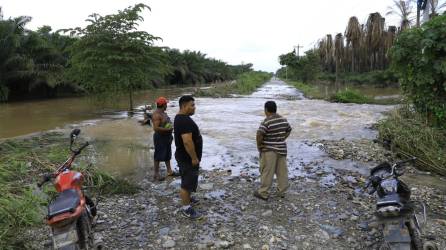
[271,136]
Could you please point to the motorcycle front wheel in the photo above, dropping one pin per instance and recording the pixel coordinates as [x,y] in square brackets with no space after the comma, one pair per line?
[86,239]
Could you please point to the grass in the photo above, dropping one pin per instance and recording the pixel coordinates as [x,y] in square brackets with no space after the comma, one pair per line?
[22,162]
[309,91]
[343,96]
[245,84]
[350,96]
[408,133]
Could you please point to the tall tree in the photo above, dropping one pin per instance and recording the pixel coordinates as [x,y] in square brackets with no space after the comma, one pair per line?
[112,55]
[14,63]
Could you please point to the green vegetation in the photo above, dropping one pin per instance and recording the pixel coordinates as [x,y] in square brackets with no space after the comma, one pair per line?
[377,77]
[419,59]
[113,56]
[409,134]
[22,162]
[245,84]
[309,91]
[107,57]
[350,96]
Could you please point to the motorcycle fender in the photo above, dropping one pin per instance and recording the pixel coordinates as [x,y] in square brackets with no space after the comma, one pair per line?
[65,236]
[396,233]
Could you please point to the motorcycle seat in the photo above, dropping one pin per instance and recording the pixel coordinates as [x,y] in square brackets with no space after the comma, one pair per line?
[67,201]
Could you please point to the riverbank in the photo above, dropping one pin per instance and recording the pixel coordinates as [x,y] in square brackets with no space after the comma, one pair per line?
[311,216]
[351,93]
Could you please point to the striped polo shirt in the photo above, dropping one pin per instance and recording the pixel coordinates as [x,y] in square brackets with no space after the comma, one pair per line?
[274,129]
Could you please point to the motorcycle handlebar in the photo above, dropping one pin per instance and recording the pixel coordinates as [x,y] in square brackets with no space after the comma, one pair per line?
[76,152]
[413,159]
[83,146]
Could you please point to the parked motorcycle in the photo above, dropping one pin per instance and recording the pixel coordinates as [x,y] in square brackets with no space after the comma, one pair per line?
[71,213]
[395,211]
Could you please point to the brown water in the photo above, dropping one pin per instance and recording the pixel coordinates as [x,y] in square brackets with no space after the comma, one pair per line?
[22,118]
[228,125]
[125,148]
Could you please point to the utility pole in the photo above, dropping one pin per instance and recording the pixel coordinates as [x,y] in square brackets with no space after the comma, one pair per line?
[296,50]
[1,14]
[421,5]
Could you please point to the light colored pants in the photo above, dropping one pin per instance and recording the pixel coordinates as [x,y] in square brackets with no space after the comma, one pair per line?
[272,163]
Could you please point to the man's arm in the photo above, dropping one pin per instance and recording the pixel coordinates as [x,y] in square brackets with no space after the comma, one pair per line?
[259,139]
[156,119]
[190,148]
[288,131]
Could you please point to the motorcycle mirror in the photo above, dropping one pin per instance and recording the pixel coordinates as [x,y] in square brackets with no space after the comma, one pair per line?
[74,133]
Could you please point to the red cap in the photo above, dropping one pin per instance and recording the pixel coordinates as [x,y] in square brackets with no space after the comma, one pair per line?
[161,101]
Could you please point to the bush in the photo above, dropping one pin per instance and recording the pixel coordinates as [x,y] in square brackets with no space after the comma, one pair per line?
[378,77]
[419,59]
[350,96]
[409,134]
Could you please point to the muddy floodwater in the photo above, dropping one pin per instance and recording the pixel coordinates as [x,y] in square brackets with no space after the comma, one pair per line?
[21,118]
[124,147]
[229,125]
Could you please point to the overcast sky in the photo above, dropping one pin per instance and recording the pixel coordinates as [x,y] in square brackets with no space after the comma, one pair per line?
[235,31]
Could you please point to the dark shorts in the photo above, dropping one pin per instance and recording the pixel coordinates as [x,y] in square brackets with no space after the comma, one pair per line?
[189,176]
[163,149]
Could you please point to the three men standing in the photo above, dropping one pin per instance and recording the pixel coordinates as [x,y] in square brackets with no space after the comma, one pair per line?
[271,136]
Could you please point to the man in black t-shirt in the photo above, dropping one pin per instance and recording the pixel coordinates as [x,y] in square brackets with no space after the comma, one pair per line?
[189,147]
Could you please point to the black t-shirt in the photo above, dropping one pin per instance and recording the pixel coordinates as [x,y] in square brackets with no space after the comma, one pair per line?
[183,124]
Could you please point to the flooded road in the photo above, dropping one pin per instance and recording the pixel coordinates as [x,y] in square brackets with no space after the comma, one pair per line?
[325,206]
[229,126]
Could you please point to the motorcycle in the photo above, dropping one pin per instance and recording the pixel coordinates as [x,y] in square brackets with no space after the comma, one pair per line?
[395,211]
[71,213]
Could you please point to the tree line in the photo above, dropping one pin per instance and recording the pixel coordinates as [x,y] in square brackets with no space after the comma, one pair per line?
[110,54]
[362,48]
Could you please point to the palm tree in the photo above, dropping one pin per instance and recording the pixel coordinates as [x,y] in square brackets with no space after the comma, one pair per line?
[433,8]
[353,36]
[14,64]
[338,55]
[403,9]
[374,32]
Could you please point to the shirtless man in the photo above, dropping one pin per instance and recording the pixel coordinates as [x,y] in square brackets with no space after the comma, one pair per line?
[162,138]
